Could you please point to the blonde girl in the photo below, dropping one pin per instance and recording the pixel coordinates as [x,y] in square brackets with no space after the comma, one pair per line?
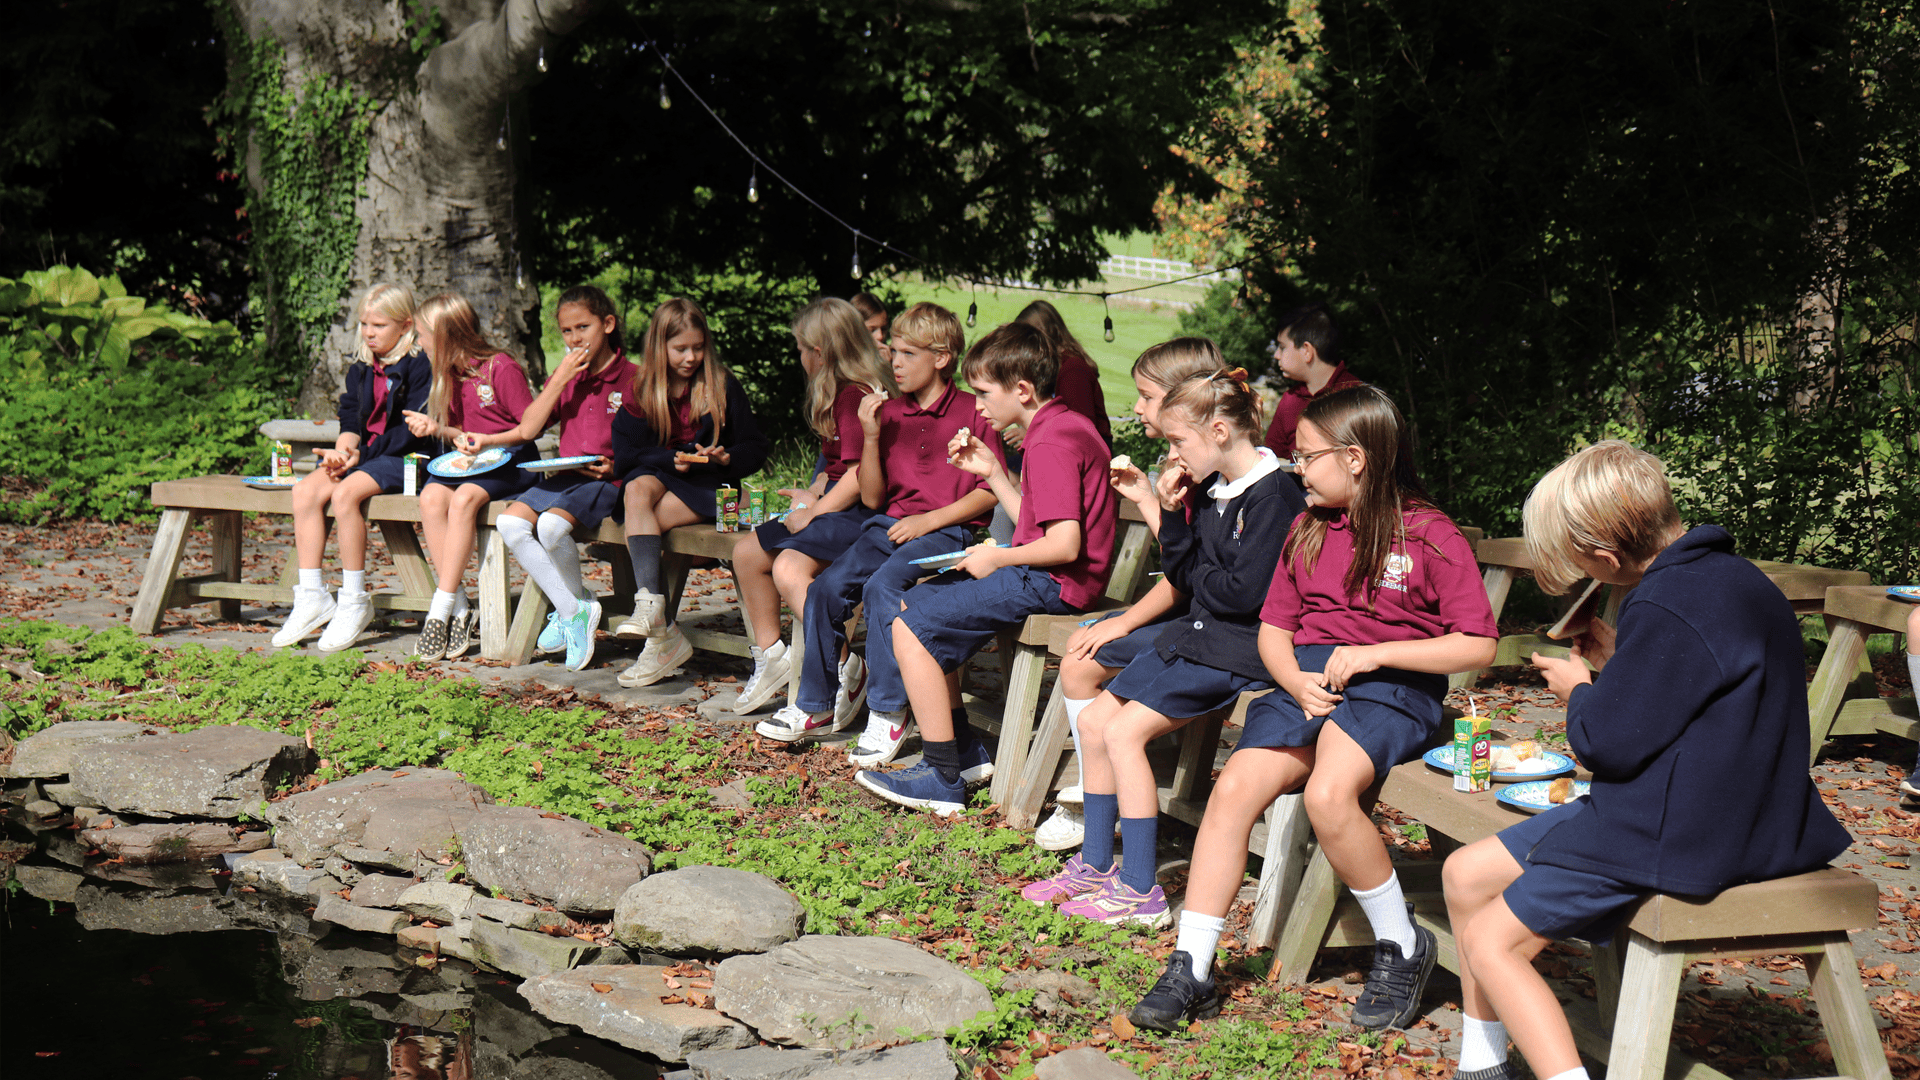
[390,375]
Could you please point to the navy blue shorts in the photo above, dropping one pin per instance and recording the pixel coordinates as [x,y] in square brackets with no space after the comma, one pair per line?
[826,537]
[388,471]
[1394,715]
[588,502]
[954,614]
[502,483]
[1178,688]
[1556,902]
[1120,652]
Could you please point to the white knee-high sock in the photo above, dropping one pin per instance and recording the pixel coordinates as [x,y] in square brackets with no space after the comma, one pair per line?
[1386,910]
[1074,708]
[518,533]
[1199,936]
[1571,1074]
[1483,1044]
[556,535]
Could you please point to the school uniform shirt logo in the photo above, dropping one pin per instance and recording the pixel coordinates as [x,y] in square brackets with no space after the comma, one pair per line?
[486,394]
[1239,524]
[1395,574]
[613,402]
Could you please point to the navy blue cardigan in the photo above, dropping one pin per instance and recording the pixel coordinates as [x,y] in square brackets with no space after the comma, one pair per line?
[1697,735]
[412,379]
[637,449]
[1226,562]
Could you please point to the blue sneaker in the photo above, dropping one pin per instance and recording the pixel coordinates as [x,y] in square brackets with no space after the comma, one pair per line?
[919,787]
[579,634]
[976,764]
[551,640]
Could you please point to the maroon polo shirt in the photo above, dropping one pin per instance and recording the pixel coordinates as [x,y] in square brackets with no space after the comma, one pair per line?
[586,407]
[492,398]
[842,449]
[1286,413]
[913,451]
[1078,388]
[1064,478]
[1429,587]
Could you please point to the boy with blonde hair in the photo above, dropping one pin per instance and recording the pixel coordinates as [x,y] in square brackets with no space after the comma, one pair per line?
[1694,722]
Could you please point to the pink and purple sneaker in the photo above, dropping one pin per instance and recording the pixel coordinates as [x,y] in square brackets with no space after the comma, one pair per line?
[1076,878]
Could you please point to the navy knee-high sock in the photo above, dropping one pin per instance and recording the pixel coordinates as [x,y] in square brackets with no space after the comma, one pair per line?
[1100,812]
[1140,836]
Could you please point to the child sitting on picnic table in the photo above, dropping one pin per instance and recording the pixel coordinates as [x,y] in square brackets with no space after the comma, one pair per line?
[1696,733]
[1220,544]
[1377,599]
[1061,556]
[1307,349]
[922,506]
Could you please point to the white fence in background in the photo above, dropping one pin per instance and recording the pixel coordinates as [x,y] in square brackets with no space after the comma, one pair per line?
[1160,270]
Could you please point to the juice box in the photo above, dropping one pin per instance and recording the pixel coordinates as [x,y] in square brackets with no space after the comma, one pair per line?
[282,461]
[756,506]
[1472,753]
[727,502]
[410,482]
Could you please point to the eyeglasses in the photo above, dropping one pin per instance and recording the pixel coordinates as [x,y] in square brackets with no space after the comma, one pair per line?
[1301,461]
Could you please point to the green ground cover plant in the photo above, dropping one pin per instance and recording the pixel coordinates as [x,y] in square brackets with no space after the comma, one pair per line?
[948,885]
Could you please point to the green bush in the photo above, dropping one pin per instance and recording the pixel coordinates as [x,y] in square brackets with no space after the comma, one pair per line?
[102,394]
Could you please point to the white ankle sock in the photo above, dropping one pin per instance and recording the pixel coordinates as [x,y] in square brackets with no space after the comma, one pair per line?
[1199,936]
[1386,910]
[518,533]
[442,605]
[1483,1044]
[1571,1074]
[460,605]
[556,535]
[353,581]
[310,580]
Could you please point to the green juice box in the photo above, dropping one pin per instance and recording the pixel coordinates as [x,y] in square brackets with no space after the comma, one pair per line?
[1472,753]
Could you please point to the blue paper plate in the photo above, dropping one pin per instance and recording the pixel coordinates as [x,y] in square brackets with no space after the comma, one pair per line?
[951,558]
[485,461]
[1441,757]
[1531,797]
[554,464]
[1909,593]
[268,483]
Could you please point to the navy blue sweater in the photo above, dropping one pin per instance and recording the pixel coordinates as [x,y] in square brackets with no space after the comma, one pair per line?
[1225,562]
[637,449]
[412,377]
[1697,735]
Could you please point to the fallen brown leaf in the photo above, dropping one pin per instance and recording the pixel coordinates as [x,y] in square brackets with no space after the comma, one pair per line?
[1122,1027]
[601,988]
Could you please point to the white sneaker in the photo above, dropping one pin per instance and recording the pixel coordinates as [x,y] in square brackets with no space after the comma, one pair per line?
[1075,794]
[771,670]
[1067,828]
[793,724]
[881,741]
[649,618]
[311,610]
[853,691]
[352,614]
[662,657]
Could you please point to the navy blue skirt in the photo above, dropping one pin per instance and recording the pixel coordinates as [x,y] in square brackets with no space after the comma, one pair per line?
[1394,715]
[588,502]
[826,537]
[388,471]
[1178,688]
[502,483]
[1123,651]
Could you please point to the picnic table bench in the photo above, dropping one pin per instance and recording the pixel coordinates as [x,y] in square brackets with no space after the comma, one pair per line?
[1637,976]
[1843,699]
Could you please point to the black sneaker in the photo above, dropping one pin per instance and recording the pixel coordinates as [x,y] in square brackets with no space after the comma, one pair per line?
[1177,998]
[433,640]
[1392,994]
[460,633]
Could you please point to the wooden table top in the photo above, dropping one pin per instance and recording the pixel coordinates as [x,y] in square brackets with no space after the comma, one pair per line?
[1868,605]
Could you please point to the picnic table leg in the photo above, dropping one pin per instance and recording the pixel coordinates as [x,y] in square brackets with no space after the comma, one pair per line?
[224,529]
[1609,962]
[1282,866]
[403,546]
[1021,808]
[1643,1024]
[1199,743]
[1308,921]
[163,566]
[620,561]
[673,579]
[1842,1001]
[1498,581]
[1024,675]
[528,618]
[496,594]
[1846,647]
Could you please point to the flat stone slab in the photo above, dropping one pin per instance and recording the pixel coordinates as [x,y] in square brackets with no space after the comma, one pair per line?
[48,882]
[214,772]
[310,825]
[437,900]
[272,869]
[708,910]
[143,911]
[354,917]
[1086,1063]
[928,1060]
[528,953]
[630,1012]
[519,851]
[513,913]
[380,891]
[891,984]
[49,753]
[180,842]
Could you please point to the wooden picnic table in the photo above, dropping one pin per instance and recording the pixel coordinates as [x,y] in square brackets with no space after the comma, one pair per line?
[1637,977]
[1843,699]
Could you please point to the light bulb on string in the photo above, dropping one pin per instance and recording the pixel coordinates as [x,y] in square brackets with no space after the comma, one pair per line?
[542,61]
[519,275]
[973,314]
[1109,311]
[665,101]
[753,185]
[856,256]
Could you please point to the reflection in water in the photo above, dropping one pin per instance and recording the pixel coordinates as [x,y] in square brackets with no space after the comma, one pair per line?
[429,1057]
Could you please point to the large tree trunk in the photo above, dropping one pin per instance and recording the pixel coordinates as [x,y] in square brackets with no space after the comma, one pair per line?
[437,208]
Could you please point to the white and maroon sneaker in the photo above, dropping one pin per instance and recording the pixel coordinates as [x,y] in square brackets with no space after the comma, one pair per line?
[794,724]
[880,743]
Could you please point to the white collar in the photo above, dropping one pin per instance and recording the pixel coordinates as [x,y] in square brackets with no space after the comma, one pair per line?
[1223,490]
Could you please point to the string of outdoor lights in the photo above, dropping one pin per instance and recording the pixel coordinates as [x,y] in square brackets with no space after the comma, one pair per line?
[973,306]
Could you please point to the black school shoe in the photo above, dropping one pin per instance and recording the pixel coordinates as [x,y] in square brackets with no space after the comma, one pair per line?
[460,633]
[1392,994]
[1177,998]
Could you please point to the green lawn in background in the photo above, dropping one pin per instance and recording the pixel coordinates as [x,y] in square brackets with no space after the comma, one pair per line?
[1135,327]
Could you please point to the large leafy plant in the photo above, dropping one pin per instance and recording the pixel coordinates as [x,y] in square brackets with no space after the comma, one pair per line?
[66,314]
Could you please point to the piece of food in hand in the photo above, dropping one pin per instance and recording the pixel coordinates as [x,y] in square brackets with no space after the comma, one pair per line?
[1120,461]
[1560,790]
[1578,617]
[689,459]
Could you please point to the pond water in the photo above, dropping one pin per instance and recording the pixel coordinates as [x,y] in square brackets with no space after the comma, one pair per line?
[168,973]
